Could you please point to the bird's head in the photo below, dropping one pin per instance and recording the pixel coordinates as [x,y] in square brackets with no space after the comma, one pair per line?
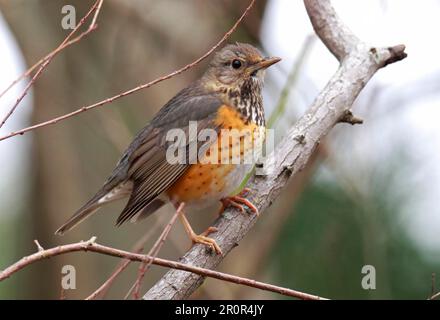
[237,64]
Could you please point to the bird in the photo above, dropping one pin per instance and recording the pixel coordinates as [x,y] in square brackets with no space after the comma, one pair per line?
[228,96]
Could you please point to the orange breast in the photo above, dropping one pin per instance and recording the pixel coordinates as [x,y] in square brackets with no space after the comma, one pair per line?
[215,176]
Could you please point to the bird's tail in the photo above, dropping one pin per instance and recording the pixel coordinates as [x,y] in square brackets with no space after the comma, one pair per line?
[102,197]
[78,217]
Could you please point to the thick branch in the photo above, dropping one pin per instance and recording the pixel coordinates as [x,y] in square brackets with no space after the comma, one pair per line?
[331,30]
[358,64]
[92,246]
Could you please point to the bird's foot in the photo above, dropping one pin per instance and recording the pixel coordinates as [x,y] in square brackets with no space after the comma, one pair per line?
[208,231]
[203,239]
[238,202]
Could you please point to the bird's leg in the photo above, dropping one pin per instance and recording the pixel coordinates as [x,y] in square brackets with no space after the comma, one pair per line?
[202,238]
[238,201]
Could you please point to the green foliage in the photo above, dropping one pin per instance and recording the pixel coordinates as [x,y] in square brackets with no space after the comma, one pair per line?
[331,235]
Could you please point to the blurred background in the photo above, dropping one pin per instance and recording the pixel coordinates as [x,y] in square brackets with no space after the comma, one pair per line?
[370,195]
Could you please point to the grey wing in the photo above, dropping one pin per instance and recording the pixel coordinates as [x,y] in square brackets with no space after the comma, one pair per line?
[151,178]
[143,171]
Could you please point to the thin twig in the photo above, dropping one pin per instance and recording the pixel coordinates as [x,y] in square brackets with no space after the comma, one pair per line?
[39,247]
[144,267]
[92,246]
[435,296]
[29,71]
[140,87]
[43,63]
[137,248]
[93,25]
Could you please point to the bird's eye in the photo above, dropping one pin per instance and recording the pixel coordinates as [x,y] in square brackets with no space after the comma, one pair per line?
[236,64]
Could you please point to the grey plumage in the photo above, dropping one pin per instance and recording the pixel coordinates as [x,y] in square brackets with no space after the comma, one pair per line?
[143,172]
[234,78]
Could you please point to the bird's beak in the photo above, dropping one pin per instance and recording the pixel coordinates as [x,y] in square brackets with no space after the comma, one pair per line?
[265,63]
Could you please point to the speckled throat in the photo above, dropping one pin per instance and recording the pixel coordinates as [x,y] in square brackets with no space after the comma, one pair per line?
[248,100]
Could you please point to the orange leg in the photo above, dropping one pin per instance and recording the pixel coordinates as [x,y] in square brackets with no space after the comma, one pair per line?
[238,201]
[202,238]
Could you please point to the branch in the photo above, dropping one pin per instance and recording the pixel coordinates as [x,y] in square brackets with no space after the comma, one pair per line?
[92,246]
[336,36]
[434,296]
[39,247]
[358,64]
[44,62]
[349,118]
[131,91]
[137,248]
[153,252]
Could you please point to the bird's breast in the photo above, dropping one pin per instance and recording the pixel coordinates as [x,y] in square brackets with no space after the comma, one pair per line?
[225,163]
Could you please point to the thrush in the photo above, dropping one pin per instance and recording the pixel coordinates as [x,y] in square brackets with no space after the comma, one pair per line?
[227,97]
